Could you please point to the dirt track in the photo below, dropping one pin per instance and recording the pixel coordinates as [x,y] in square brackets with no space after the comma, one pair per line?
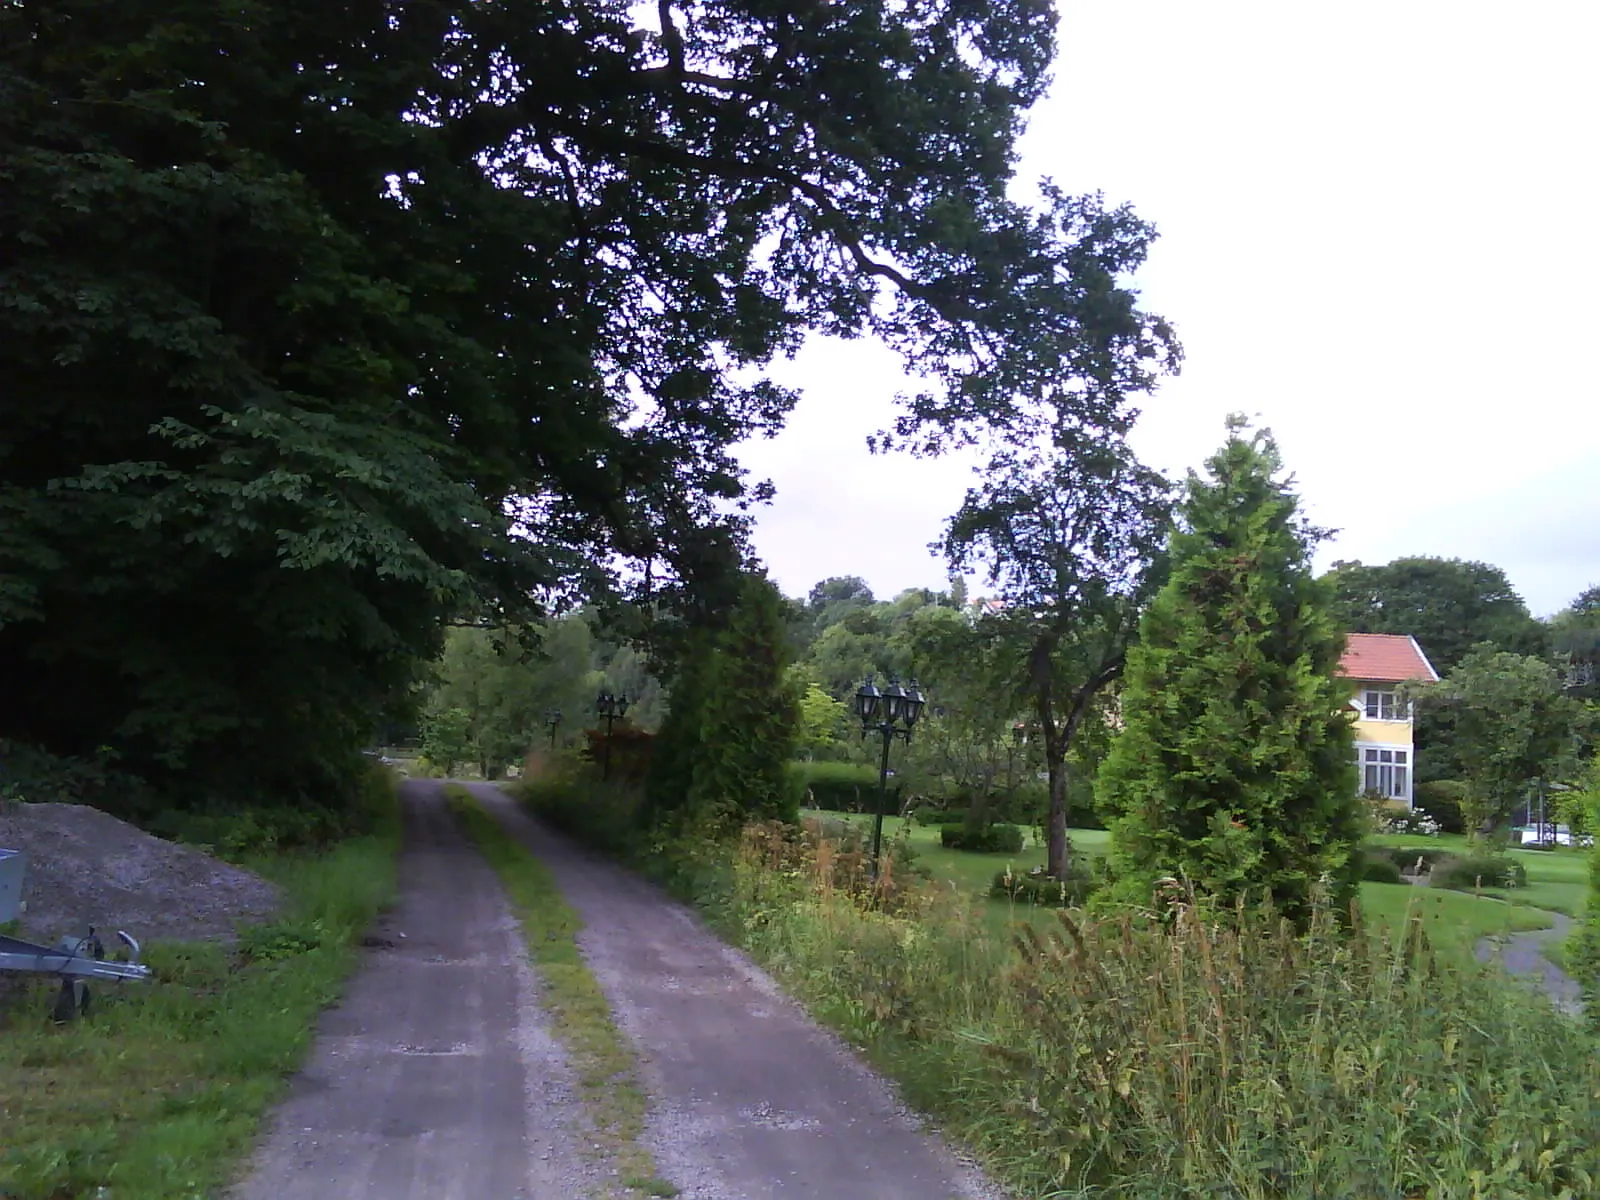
[436,1078]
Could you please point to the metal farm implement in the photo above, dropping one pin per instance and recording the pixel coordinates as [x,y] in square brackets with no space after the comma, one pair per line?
[75,961]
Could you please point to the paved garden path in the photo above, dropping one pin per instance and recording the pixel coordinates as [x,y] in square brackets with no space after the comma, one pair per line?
[435,1078]
[1522,955]
[751,1100]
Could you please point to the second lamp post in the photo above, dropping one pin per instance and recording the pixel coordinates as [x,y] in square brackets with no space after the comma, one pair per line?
[611,708]
[890,713]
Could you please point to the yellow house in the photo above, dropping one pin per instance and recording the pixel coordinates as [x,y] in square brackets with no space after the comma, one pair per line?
[1377,665]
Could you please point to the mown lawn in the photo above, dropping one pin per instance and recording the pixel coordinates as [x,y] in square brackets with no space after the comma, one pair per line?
[1557,879]
[1454,921]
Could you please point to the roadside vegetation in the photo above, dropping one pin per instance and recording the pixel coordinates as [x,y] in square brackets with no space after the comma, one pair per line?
[1207,972]
[159,1095]
[603,1059]
[1203,1053]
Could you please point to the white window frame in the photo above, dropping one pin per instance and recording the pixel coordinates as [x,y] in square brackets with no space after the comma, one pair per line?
[1371,705]
[1372,766]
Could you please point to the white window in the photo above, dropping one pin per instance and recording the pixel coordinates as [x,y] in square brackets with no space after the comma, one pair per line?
[1386,772]
[1380,705]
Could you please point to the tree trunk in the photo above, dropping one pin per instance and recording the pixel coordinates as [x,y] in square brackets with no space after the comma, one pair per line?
[1059,853]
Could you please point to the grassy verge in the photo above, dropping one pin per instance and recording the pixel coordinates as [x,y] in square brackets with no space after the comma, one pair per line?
[1116,1060]
[158,1095]
[602,1059]
[1110,1059]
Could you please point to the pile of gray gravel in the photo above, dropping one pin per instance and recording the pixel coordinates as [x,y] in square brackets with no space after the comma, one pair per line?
[85,867]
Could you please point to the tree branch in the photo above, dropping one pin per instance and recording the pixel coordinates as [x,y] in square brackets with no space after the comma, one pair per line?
[838,222]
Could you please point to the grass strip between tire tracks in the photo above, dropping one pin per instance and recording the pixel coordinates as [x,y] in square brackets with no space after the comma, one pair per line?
[602,1058]
[158,1094]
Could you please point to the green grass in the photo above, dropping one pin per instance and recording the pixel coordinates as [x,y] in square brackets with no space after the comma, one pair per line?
[1557,879]
[159,1093]
[1454,921]
[961,867]
[1108,1060]
[602,1058]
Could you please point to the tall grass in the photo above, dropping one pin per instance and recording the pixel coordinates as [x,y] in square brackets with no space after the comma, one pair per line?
[158,1095]
[1208,1056]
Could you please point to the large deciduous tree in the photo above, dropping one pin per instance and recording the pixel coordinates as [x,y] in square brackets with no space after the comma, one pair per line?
[1575,639]
[322,324]
[1447,604]
[1513,724]
[1069,533]
[1235,766]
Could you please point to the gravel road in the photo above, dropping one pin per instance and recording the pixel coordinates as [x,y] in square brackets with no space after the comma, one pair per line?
[436,1078]
[1522,955]
[751,1100]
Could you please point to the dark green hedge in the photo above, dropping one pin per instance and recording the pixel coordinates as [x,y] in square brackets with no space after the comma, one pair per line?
[1480,870]
[842,787]
[997,839]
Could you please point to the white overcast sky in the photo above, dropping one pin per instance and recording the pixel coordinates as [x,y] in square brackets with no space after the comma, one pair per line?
[1378,235]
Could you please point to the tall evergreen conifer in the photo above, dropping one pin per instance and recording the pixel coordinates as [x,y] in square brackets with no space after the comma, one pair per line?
[733,720]
[1235,767]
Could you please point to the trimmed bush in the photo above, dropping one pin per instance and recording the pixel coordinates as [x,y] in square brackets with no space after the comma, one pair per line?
[1441,799]
[997,839]
[1042,889]
[1379,870]
[840,787]
[1480,870]
[1405,857]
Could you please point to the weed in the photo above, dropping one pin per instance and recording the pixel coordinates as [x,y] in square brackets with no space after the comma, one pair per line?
[1218,1054]
[158,1095]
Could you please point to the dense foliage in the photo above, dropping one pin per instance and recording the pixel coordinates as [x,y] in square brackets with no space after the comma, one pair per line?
[321,326]
[1234,769]
[1070,534]
[1512,722]
[732,722]
[1447,604]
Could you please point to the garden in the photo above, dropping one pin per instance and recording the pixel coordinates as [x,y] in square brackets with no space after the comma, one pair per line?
[1129,926]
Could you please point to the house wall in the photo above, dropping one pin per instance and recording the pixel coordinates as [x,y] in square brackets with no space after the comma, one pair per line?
[1384,735]
[1396,734]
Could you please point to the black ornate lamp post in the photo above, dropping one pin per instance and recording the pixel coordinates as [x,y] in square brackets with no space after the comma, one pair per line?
[611,708]
[552,718]
[890,713]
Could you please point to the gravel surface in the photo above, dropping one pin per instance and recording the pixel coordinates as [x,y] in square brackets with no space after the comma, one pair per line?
[751,1099]
[437,1076]
[1522,956]
[85,867]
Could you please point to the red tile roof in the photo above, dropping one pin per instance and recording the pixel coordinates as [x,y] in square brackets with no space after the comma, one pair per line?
[1385,657]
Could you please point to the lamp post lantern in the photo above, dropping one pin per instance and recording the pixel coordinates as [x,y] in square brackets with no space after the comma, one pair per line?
[611,708]
[552,718]
[890,713]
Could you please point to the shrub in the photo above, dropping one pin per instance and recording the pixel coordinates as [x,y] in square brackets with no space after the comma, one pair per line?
[1035,887]
[1380,870]
[839,787]
[606,815]
[1405,857]
[1441,799]
[997,839]
[1480,870]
